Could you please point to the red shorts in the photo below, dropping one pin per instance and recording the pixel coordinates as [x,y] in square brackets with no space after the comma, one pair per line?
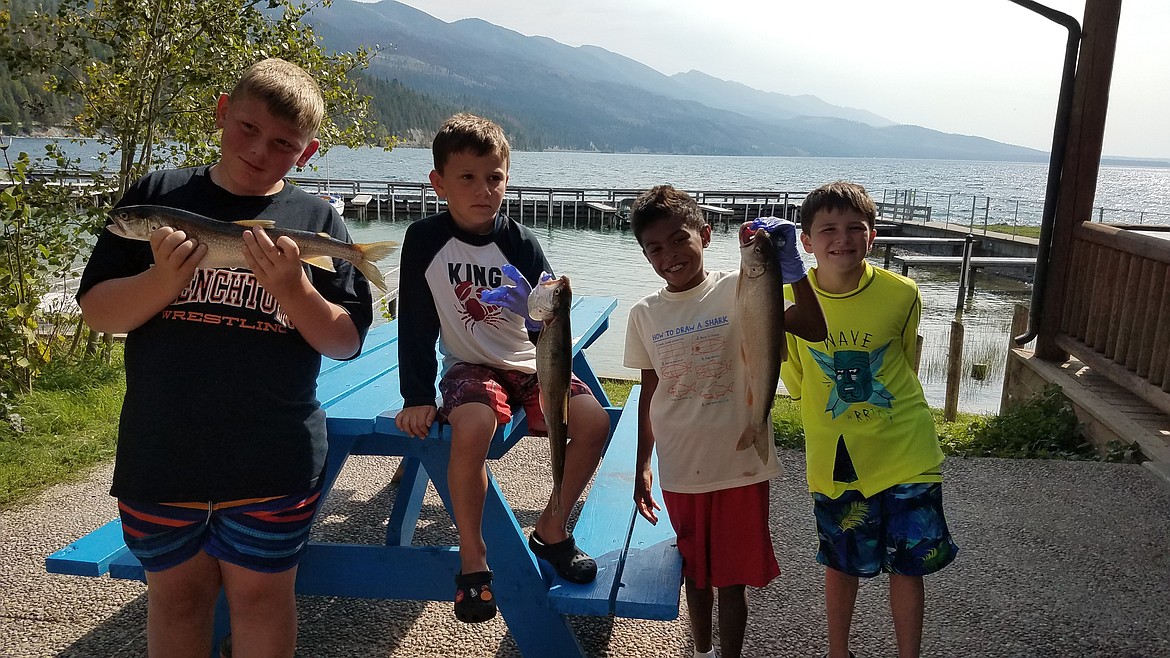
[500,390]
[723,536]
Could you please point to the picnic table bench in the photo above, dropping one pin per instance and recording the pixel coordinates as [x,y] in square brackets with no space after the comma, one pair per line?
[639,568]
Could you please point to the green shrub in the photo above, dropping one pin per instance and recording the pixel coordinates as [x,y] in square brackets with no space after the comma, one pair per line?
[1043,426]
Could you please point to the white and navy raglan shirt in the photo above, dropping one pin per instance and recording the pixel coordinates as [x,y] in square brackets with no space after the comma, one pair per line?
[443,271]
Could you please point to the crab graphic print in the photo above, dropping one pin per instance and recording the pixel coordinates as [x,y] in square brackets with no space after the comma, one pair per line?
[472,310]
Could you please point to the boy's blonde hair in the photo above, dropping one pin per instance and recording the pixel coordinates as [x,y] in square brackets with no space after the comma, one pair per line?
[663,202]
[841,195]
[288,90]
[469,133]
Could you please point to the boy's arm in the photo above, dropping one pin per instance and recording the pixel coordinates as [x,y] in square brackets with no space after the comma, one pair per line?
[643,475]
[910,331]
[122,304]
[326,326]
[805,319]
[418,320]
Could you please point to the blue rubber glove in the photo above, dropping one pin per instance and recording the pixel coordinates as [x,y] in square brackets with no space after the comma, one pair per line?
[783,234]
[514,297]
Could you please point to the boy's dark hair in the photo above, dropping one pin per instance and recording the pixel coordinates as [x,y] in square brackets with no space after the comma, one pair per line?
[288,90]
[663,202]
[469,133]
[841,195]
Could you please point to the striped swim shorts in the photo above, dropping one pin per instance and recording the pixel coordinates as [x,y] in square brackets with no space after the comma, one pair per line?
[268,535]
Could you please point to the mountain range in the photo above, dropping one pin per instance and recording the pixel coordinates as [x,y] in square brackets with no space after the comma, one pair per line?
[548,95]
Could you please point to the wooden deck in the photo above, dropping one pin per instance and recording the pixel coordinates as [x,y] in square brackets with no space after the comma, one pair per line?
[1109,411]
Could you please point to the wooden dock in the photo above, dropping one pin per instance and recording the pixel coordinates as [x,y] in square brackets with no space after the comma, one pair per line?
[977,262]
[559,207]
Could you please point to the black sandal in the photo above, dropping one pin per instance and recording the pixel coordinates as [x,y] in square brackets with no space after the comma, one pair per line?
[570,562]
[474,601]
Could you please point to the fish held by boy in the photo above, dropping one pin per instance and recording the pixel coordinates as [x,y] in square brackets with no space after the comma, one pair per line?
[225,240]
[550,303]
[759,308]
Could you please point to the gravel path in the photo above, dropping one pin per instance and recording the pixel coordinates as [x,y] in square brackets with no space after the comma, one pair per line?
[1056,559]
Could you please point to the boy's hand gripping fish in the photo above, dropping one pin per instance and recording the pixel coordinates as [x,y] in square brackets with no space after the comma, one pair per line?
[759,308]
[550,302]
[225,240]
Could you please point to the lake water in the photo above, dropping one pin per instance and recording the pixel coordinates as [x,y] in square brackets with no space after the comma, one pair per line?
[610,263]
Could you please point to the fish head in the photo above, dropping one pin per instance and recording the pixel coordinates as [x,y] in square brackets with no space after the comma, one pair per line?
[135,222]
[550,298]
[757,252]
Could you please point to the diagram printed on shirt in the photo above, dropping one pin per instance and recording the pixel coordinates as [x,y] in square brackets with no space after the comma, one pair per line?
[695,360]
[852,376]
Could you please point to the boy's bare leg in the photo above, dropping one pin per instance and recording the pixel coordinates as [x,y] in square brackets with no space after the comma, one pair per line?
[840,596]
[907,602]
[263,611]
[180,608]
[588,430]
[732,620]
[472,427]
[699,605]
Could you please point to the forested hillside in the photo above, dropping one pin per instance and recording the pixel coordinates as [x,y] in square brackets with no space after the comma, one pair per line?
[24,105]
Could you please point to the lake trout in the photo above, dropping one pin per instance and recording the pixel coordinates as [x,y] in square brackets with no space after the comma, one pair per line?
[550,303]
[759,309]
[225,240]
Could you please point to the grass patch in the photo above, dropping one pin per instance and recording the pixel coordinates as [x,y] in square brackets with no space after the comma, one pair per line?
[1025,230]
[66,425]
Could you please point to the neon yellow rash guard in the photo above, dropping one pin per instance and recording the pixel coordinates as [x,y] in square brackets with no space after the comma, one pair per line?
[867,425]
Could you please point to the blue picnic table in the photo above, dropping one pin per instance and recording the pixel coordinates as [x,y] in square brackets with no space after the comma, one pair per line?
[638,563]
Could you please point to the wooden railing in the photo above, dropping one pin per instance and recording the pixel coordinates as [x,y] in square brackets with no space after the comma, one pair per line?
[1116,314]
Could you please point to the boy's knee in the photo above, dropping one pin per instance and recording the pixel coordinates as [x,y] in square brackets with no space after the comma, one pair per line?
[472,420]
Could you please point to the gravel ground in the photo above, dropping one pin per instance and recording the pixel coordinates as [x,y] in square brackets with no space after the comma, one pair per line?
[1056,559]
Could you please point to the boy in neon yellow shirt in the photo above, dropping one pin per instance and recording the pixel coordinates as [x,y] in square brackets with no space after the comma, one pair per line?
[872,452]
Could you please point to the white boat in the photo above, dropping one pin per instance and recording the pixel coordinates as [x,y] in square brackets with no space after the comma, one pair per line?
[336,201]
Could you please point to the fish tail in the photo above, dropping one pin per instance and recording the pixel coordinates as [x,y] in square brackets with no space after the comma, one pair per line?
[370,270]
[748,437]
[764,447]
[375,251]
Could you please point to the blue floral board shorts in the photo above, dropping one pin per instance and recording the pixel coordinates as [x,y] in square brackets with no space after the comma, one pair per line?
[899,530]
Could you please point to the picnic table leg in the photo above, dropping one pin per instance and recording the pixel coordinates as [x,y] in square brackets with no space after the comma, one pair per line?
[222,625]
[584,371]
[404,516]
[521,592]
[339,449]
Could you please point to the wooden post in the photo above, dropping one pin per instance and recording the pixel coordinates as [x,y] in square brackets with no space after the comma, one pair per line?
[1082,162]
[954,371]
[1019,326]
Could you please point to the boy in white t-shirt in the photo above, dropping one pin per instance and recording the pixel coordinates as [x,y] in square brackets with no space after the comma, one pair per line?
[685,339]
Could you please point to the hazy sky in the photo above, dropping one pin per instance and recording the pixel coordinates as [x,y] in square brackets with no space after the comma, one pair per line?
[978,67]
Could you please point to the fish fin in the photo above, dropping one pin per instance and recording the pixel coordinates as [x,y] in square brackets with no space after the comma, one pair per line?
[262,223]
[375,251]
[323,234]
[323,262]
[371,273]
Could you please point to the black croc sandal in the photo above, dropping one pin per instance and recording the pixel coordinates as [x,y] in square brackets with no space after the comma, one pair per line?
[474,601]
[570,562]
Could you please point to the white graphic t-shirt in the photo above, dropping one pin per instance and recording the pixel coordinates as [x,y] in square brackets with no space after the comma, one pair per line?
[699,410]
